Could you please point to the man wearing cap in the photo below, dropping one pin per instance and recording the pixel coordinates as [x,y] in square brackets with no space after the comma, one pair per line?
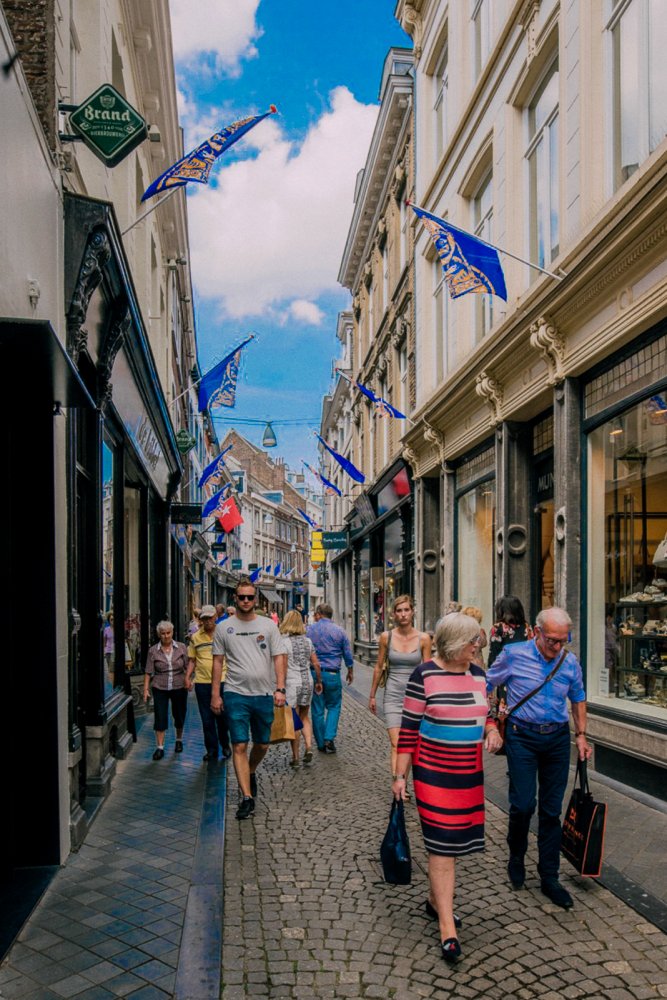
[200,662]
[253,649]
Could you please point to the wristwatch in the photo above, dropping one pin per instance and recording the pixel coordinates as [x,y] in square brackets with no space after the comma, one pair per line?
[398,777]
[280,691]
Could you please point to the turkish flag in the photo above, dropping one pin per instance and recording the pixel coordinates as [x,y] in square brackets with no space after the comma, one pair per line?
[229,515]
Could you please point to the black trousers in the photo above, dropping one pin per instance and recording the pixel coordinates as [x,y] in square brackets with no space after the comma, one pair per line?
[179,708]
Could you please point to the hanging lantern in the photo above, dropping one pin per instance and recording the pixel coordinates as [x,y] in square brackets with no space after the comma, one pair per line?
[269,439]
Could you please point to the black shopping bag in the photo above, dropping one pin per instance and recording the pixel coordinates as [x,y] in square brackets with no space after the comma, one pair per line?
[395,849]
[583,827]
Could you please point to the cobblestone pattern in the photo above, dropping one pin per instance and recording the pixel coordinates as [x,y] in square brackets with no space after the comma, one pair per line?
[308,915]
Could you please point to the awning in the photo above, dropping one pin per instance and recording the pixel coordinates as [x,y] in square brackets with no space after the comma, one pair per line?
[272,596]
[32,347]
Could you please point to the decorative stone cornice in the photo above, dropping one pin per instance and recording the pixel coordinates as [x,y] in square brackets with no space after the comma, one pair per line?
[381,233]
[400,334]
[399,181]
[367,273]
[491,391]
[546,338]
[527,18]
[411,458]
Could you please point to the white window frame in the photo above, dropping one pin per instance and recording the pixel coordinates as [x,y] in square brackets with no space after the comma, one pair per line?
[650,31]
[440,103]
[481,35]
[441,354]
[482,219]
[539,144]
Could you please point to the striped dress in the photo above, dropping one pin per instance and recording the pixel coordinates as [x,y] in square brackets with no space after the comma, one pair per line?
[443,728]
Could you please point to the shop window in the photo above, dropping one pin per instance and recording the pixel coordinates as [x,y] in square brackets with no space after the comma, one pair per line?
[639,37]
[544,512]
[543,174]
[395,580]
[627,496]
[475,532]
[364,593]
[112,676]
[134,655]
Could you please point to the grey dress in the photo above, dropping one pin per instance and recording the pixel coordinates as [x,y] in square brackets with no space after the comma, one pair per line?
[401,666]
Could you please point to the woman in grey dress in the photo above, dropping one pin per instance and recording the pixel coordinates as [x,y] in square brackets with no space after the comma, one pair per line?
[405,648]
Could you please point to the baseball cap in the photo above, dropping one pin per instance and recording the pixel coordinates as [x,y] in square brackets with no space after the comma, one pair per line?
[208,611]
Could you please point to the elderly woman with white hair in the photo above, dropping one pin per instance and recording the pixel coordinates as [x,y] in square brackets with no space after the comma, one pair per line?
[445,722]
[166,668]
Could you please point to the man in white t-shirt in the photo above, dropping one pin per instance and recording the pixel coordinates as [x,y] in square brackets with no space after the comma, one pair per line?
[255,682]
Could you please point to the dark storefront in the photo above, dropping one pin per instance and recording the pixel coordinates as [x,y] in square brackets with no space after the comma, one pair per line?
[381,533]
[123,466]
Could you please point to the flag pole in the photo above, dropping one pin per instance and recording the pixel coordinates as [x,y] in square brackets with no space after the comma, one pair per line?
[152,209]
[494,246]
[351,381]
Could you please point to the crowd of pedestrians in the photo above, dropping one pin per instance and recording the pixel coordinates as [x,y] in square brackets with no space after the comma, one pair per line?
[442,706]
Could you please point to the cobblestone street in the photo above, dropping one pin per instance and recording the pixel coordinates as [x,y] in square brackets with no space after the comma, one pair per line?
[140,910]
[308,915]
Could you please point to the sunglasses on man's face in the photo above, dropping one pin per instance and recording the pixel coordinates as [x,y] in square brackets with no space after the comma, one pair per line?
[245,597]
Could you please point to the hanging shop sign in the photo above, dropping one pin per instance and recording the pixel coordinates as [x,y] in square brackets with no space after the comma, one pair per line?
[185,442]
[185,513]
[237,564]
[109,125]
[334,540]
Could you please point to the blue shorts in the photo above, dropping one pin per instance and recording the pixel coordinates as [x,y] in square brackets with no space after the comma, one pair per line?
[249,714]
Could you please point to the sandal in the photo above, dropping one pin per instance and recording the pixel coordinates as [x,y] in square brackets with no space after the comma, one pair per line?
[294,763]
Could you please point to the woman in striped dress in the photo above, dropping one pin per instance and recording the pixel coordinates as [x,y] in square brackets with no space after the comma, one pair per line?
[443,727]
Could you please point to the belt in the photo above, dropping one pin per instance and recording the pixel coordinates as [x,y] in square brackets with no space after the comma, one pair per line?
[544,728]
[329,670]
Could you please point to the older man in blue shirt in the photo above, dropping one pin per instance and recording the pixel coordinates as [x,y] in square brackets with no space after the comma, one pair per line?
[538,743]
[332,646]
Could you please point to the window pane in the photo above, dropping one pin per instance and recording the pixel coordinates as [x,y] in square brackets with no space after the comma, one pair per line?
[657,34]
[112,677]
[476,529]
[553,185]
[626,51]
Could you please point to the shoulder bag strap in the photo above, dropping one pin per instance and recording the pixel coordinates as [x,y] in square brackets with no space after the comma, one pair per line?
[539,687]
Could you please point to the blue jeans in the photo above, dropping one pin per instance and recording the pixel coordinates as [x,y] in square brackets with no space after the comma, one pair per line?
[537,761]
[214,726]
[325,708]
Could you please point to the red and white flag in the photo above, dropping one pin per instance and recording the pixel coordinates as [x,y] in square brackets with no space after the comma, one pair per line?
[229,515]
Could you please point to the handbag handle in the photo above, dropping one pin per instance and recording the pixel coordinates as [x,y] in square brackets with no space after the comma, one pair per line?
[582,776]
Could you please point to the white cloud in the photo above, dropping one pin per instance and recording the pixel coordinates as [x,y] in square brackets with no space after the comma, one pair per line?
[306,312]
[272,229]
[224,29]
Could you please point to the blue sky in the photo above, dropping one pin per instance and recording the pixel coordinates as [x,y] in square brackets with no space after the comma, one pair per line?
[268,232]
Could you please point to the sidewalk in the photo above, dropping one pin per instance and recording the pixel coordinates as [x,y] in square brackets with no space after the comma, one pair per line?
[140,912]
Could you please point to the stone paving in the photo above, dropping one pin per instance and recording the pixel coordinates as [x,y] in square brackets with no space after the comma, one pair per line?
[308,915]
[140,910]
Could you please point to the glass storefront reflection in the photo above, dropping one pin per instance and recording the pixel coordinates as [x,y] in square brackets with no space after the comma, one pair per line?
[110,673]
[475,547]
[132,513]
[627,577]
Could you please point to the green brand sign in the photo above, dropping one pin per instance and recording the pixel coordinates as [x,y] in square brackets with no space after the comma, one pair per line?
[108,125]
[237,563]
[185,442]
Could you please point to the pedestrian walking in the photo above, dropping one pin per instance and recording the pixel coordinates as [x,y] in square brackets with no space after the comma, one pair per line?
[445,722]
[537,740]
[255,682]
[301,659]
[200,665]
[476,613]
[166,668]
[400,649]
[332,647]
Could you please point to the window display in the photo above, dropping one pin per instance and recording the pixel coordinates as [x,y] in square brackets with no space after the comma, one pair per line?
[627,559]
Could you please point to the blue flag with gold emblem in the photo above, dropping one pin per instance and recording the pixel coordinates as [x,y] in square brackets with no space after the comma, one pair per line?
[469,264]
[218,386]
[212,474]
[196,165]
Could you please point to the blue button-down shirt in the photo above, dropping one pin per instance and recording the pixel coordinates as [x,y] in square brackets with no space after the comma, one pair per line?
[331,644]
[522,668]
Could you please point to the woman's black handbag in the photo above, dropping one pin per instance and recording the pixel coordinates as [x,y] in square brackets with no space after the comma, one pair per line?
[584,824]
[395,849]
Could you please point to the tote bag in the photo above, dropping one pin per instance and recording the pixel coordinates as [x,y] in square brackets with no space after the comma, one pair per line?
[584,825]
[395,849]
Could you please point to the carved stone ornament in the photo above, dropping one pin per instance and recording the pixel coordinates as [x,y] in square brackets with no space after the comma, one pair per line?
[113,341]
[381,233]
[435,437]
[492,392]
[411,22]
[546,339]
[560,525]
[410,457]
[400,334]
[528,20]
[356,306]
[95,258]
[367,273]
[381,366]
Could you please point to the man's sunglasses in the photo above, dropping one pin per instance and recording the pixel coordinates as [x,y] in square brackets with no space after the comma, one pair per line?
[245,597]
